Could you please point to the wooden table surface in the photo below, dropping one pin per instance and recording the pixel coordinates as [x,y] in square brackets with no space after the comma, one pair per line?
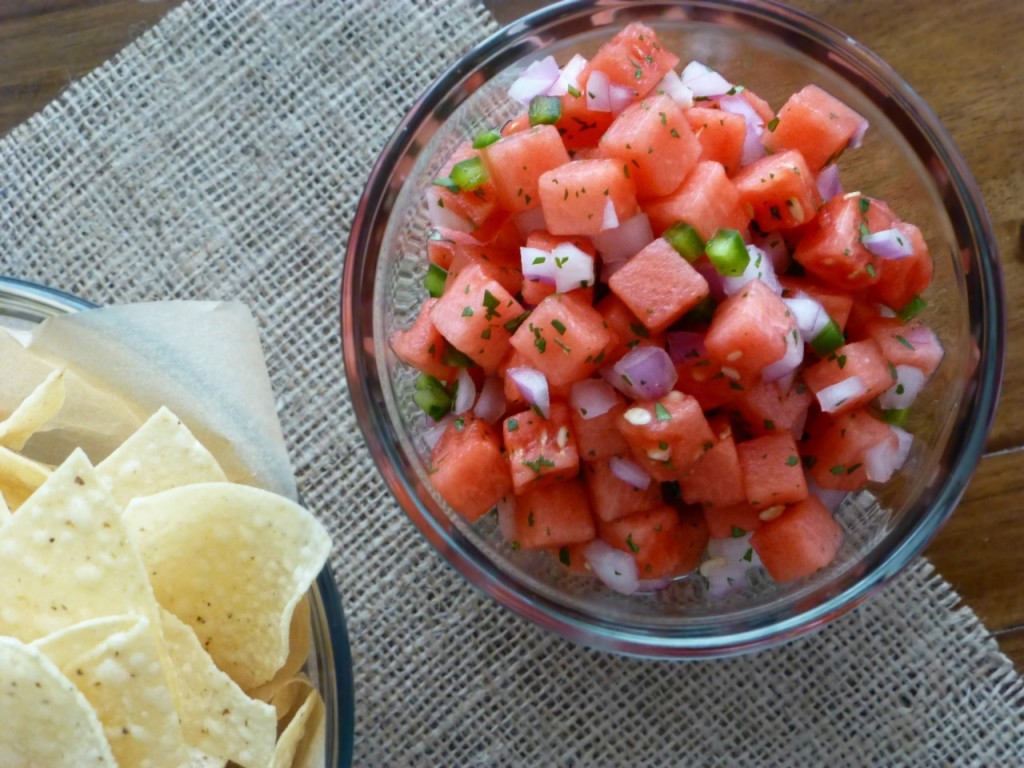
[966,59]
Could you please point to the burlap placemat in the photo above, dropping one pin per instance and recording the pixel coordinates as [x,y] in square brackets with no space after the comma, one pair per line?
[222,156]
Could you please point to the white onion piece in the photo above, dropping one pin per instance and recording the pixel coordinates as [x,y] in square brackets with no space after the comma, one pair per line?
[828,182]
[832,398]
[885,459]
[598,97]
[683,345]
[858,136]
[775,248]
[619,97]
[703,81]
[533,387]
[507,517]
[592,398]
[884,311]
[465,394]
[610,219]
[432,430]
[888,244]
[629,472]
[573,268]
[810,316]
[759,267]
[537,264]
[753,149]
[615,568]
[626,240]
[672,86]
[909,382]
[830,497]
[644,373]
[569,76]
[530,221]
[537,79]
[789,361]
[443,217]
[727,565]
[491,404]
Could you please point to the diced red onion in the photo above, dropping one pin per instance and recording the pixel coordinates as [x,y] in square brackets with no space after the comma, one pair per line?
[726,567]
[573,268]
[537,264]
[629,472]
[491,404]
[615,568]
[507,517]
[922,337]
[533,387]
[774,247]
[619,97]
[885,459]
[810,316]
[830,497]
[465,394]
[684,345]
[530,221]
[888,244]
[712,276]
[592,398]
[672,86]
[789,362]
[644,373]
[759,267]
[537,79]
[858,136]
[703,81]
[610,220]
[569,76]
[626,240]
[909,382]
[598,97]
[432,430]
[753,149]
[609,268]
[831,398]
[828,182]
[443,217]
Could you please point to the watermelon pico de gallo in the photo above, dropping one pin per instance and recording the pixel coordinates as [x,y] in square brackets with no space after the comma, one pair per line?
[658,336]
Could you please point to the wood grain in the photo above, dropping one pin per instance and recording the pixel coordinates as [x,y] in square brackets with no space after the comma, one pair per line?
[964,59]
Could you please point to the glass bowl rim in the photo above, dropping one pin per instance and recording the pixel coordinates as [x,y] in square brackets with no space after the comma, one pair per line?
[474,565]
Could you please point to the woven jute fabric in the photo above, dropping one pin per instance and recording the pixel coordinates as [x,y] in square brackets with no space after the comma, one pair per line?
[221,156]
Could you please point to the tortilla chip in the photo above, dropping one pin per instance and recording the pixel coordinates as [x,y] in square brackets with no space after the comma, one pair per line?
[302,741]
[199,759]
[216,715]
[19,477]
[115,663]
[300,636]
[232,562]
[46,720]
[34,411]
[288,698]
[65,557]
[161,455]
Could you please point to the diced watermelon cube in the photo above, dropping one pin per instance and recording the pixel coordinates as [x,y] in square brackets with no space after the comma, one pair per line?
[899,280]
[580,127]
[555,515]
[663,541]
[720,134]
[564,338]
[633,58]
[732,521]
[699,376]
[658,285]
[772,471]
[816,123]
[540,450]
[471,314]
[716,478]
[769,406]
[612,498]
[666,437]
[835,451]
[911,343]
[422,346]
[500,265]
[778,191]
[802,540]
[468,469]
[749,331]
[515,164]
[578,197]
[598,437]
[860,359]
[707,200]
[626,329]
[655,140]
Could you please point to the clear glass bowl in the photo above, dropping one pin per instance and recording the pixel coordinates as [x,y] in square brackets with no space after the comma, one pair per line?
[23,305]
[907,159]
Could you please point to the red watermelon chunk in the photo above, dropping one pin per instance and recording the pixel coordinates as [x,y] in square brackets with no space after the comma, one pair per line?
[633,58]
[468,469]
[666,437]
[540,450]
[817,124]
[716,479]
[720,135]
[612,498]
[584,197]
[422,346]
[778,191]
[837,446]
[772,471]
[748,331]
[663,541]
[862,360]
[515,164]
[707,200]
[555,515]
